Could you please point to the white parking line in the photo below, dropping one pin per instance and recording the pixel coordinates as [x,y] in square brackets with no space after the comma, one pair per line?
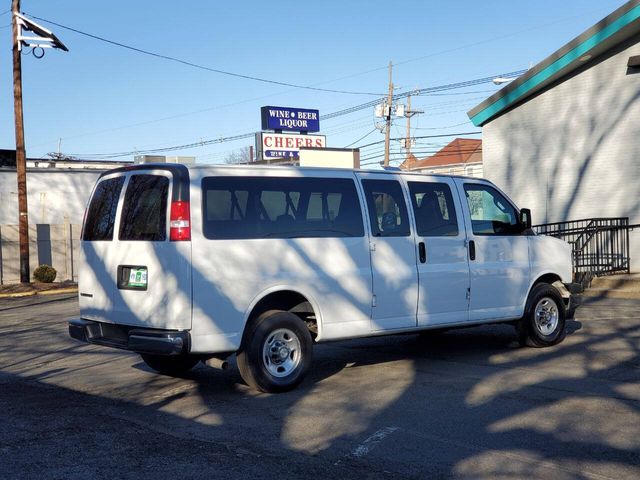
[365,447]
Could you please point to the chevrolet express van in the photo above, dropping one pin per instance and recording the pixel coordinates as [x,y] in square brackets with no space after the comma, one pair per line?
[187,264]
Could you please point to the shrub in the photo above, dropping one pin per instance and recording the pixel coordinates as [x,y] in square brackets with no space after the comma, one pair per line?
[45,274]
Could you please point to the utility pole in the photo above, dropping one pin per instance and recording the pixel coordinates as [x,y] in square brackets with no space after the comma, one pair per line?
[388,112]
[409,113]
[407,142]
[21,162]
[43,39]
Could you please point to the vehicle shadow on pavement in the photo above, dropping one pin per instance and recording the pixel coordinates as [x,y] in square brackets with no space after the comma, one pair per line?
[461,403]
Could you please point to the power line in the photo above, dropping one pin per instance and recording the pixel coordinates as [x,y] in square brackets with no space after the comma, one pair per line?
[462,93]
[423,91]
[427,150]
[449,152]
[355,126]
[427,91]
[442,128]
[466,46]
[356,108]
[426,136]
[165,149]
[103,156]
[361,138]
[201,67]
[500,37]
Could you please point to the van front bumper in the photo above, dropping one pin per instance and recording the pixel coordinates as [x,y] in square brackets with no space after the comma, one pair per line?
[140,340]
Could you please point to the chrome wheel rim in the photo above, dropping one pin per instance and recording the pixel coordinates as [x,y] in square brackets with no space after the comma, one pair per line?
[546,316]
[281,352]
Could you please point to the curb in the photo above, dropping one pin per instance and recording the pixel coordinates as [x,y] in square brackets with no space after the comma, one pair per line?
[60,291]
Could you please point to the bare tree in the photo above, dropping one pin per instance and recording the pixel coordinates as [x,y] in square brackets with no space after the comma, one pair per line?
[242,155]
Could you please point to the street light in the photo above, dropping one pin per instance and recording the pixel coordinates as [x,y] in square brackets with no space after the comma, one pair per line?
[43,39]
[502,80]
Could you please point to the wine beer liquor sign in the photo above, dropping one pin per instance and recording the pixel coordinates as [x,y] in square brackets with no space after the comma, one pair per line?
[287,119]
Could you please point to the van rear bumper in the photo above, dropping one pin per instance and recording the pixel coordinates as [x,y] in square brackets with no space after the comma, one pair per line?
[135,339]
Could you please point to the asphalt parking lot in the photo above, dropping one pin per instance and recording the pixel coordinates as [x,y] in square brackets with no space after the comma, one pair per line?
[464,404]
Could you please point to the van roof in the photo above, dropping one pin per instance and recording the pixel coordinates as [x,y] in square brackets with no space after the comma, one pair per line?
[201,167]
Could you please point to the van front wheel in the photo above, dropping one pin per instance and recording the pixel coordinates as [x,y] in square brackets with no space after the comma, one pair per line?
[170,364]
[543,323]
[276,352]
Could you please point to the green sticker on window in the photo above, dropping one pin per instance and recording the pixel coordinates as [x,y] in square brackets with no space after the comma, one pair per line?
[137,277]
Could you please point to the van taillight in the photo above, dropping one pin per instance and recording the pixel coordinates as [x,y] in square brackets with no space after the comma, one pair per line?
[180,222]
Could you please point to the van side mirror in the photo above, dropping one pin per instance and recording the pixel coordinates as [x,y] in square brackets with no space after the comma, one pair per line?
[525,219]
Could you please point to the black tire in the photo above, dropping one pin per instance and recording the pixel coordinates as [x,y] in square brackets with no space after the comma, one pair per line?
[170,364]
[544,320]
[276,352]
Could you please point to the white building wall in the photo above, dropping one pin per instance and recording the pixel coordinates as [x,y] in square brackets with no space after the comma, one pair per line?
[53,196]
[573,151]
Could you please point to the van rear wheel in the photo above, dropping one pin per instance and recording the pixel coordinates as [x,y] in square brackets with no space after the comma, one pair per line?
[170,364]
[544,320]
[276,352]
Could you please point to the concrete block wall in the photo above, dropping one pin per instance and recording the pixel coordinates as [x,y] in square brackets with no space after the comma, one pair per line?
[56,245]
[53,196]
[573,151]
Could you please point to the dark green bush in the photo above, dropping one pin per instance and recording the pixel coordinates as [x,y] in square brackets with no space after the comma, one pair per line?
[45,274]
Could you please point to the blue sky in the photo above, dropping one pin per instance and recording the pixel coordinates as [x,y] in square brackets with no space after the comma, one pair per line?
[99,98]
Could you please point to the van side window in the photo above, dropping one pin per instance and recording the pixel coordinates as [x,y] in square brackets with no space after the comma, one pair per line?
[491,212]
[144,214]
[387,208]
[101,214]
[274,207]
[434,209]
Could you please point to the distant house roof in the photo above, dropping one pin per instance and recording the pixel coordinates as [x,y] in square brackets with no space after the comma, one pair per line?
[606,34]
[459,151]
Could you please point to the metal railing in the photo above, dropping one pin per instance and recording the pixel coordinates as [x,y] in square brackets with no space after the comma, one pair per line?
[600,245]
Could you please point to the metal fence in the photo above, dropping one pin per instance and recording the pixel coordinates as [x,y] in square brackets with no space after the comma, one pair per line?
[600,245]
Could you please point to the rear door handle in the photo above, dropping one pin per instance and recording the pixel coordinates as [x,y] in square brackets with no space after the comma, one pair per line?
[472,250]
[422,252]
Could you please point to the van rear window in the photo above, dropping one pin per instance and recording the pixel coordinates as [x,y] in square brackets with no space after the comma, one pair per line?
[144,214]
[101,214]
[270,207]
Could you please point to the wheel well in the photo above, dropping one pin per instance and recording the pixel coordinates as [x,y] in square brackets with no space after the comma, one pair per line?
[289,301]
[549,278]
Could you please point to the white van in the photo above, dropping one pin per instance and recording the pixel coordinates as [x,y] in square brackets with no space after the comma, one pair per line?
[183,264]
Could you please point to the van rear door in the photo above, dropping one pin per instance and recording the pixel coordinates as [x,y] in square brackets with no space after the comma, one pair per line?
[146,268]
[96,282]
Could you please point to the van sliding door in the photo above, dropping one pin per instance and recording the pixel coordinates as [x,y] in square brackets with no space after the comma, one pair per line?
[443,267]
[393,254]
